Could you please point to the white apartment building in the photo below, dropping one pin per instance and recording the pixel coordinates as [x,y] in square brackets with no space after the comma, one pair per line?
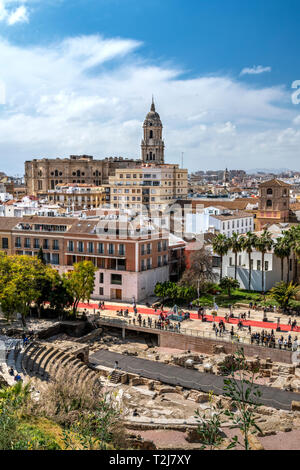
[272,266]
[219,219]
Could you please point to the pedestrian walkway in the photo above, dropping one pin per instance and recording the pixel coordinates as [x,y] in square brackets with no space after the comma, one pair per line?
[187,378]
[194,316]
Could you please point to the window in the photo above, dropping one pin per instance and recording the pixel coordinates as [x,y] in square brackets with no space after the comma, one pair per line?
[27,243]
[46,244]
[266,265]
[122,250]
[91,247]
[258,265]
[142,250]
[148,248]
[270,191]
[71,246]
[18,242]
[149,263]
[159,247]
[80,247]
[230,261]
[101,278]
[55,245]
[4,243]
[36,243]
[101,291]
[159,262]
[55,258]
[110,249]
[100,248]
[116,279]
[269,203]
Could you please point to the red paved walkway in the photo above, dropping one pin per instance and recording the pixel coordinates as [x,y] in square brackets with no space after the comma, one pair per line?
[194,316]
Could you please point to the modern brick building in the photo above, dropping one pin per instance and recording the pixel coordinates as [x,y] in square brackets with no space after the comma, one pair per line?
[130,257]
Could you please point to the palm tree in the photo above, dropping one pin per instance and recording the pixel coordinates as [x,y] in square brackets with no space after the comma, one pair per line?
[282,250]
[235,246]
[293,237]
[248,243]
[264,244]
[283,293]
[220,247]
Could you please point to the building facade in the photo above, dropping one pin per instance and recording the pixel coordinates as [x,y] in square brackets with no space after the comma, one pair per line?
[129,261]
[274,203]
[42,175]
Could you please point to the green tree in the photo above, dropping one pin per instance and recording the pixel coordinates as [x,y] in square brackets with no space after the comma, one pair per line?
[283,293]
[235,245]
[292,237]
[161,290]
[247,244]
[282,250]
[40,255]
[228,284]
[21,285]
[60,297]
[220,246]
[264,244]
[81,282]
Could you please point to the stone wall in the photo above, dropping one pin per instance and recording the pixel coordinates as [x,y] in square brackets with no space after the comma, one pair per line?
[206,346]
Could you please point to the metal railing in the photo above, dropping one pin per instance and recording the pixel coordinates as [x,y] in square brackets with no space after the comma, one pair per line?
[173,328]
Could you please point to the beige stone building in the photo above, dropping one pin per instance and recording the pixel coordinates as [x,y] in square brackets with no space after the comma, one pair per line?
[76,196]
[150,186]
[42,175]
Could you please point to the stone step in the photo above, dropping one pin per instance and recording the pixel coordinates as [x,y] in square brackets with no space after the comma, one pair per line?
[50,358]
[58,364]
[35,359]
[28,353]
[42,359]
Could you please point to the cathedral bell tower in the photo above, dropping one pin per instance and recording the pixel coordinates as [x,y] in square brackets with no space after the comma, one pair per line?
[152,144]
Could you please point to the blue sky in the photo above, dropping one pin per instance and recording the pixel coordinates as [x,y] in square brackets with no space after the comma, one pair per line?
[78,76]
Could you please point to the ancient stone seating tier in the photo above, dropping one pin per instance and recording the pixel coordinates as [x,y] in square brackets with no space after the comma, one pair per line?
[47,362]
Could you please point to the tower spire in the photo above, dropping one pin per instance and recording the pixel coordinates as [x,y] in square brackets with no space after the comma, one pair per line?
[153,105]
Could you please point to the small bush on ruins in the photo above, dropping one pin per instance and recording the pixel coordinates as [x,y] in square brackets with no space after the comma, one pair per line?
[66,416]
[244,395]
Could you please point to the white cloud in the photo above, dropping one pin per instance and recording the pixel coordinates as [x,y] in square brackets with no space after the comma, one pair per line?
[13,12]
[255,70]
[20,15]
[66,99]
[296,120]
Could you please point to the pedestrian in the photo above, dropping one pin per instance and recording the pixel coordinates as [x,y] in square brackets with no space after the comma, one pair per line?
[116,365]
